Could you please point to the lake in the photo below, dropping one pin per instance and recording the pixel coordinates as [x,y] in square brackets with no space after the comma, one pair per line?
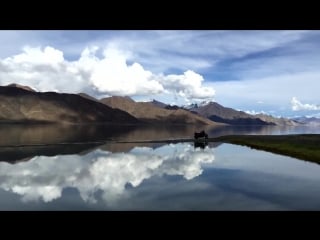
[38,172]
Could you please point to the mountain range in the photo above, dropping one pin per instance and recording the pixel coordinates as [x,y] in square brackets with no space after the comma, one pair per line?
[154,113]
[218,113]
[312,121]
[22,104]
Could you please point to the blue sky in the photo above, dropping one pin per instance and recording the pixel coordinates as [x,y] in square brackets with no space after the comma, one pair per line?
[276,72]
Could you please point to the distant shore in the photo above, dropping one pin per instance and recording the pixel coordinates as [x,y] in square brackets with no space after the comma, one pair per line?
[300,146]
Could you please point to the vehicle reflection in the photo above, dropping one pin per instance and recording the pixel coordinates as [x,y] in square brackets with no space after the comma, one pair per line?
[201,144]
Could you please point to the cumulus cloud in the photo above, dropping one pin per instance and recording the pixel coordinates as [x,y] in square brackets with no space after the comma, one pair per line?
[44,178]
[47,56]
[188,85]
[32,193]
[97,72]
[298,106]
[113,75]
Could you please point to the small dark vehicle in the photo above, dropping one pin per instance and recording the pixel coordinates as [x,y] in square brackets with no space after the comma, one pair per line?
[200,135]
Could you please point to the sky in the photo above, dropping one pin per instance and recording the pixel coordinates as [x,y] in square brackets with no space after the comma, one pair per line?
[273,72]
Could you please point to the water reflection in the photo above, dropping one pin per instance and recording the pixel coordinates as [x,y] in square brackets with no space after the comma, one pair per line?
[152,176]
[262,130]
[58,133]
[51,136]
[55,133]
[100,172]
[201,145]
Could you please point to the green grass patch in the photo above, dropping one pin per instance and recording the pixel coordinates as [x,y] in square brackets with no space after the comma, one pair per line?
[301,146]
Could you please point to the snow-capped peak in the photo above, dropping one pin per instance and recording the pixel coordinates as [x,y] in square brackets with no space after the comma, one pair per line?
[196,105]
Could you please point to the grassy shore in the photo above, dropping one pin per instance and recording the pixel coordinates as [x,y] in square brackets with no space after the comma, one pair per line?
[301,146]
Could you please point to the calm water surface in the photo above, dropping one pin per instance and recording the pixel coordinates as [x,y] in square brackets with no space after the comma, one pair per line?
[179,176]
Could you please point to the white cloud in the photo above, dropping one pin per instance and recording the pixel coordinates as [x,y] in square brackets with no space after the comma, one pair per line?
[33,193]
[188,85]
[46,177]
[46,69]
[298,106]
[114,76]
[37,56]
[253,112]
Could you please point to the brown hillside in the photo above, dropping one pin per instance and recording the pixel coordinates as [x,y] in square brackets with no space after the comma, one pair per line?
[147,112]
[20,105]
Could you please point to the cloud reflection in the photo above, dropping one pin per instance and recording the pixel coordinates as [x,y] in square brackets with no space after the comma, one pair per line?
[44,178]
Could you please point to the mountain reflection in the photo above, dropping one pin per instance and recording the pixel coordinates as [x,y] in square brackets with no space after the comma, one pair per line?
[24,142]
[100,173]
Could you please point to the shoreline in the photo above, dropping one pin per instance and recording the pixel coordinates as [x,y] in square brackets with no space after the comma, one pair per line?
[300,146]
